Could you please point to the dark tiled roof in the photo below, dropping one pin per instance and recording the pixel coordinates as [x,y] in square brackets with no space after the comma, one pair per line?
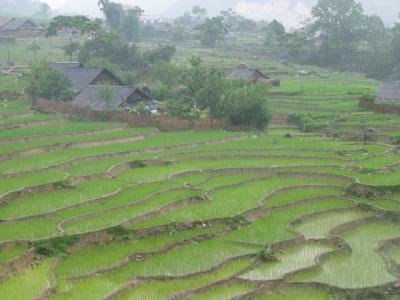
[245,73]
[90,97]
[389,91]
[16,24]
[80,76]
[4,21]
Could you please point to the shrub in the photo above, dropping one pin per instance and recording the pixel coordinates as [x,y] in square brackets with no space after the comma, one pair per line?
[369,97]
[44,82]
[56,246]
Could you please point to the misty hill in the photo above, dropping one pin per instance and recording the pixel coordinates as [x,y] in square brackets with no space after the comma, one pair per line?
[20,7]
[215,7]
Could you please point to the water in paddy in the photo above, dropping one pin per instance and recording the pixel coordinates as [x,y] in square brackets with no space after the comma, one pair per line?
[362,267]
[319,226]
[289,260]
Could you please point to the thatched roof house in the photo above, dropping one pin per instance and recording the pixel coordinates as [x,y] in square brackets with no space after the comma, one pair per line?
[81,77]
[19,27]
[244,72]
[123,98]
[389,92]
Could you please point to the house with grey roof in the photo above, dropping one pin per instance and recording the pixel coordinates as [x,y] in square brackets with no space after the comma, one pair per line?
[253,75]
[389,92]
[19,28]
[87,84]
[82,77]
[123,98]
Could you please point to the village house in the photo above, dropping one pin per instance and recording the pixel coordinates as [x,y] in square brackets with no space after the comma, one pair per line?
[244,72]
[86,82]
[81,76]
[124,98]
[389,92]
[19,28]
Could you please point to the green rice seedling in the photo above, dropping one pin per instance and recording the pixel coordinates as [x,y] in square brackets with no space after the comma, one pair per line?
[102,256]
[12,252]
[9,184]
[348,270]
[273,228]
[27,284]
[319,226]
[51,200]
[42,160]
[13,106]
[394,253]
[27,119]
[300,193]
[100,286]
[296,292]
[225,291]
[28,230]
[289,260]
[118,216]
[70,127]
[95,137]
[228,202]
[185,260]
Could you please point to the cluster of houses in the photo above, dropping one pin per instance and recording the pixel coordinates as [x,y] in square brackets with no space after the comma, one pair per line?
[19,28]
[86,82]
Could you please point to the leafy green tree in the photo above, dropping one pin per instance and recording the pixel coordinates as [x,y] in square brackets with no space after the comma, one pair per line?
[237,23]
[70,49]
[108,45]
[212,32]
[69,26]
[338,27]
[395,45]
[167,73]
[199,12]
[131,24]
[44,82]
[275,34]
[245,104]
[161,53]
[113,13]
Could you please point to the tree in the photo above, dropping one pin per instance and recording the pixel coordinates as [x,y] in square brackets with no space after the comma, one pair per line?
[199,12]
[212,31]
[245,105]
[275,33]
[69,26]
[395,45]
[338,26]
[126,23]
[130,24]
[108,45]
[161,53]
[167,73]
[44,82]
[70,49]
[113,13]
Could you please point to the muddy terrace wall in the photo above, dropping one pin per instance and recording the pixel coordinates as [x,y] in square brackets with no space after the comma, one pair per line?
[381,108]
[161,122]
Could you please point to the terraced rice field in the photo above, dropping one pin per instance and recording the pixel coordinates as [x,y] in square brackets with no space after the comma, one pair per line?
[103,211]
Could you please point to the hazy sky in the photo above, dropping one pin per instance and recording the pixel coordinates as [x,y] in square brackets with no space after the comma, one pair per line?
[290,12]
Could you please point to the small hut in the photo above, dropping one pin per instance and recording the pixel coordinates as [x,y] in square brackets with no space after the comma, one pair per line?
[123,98]
[19,28]
[82,77]
[244,72]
